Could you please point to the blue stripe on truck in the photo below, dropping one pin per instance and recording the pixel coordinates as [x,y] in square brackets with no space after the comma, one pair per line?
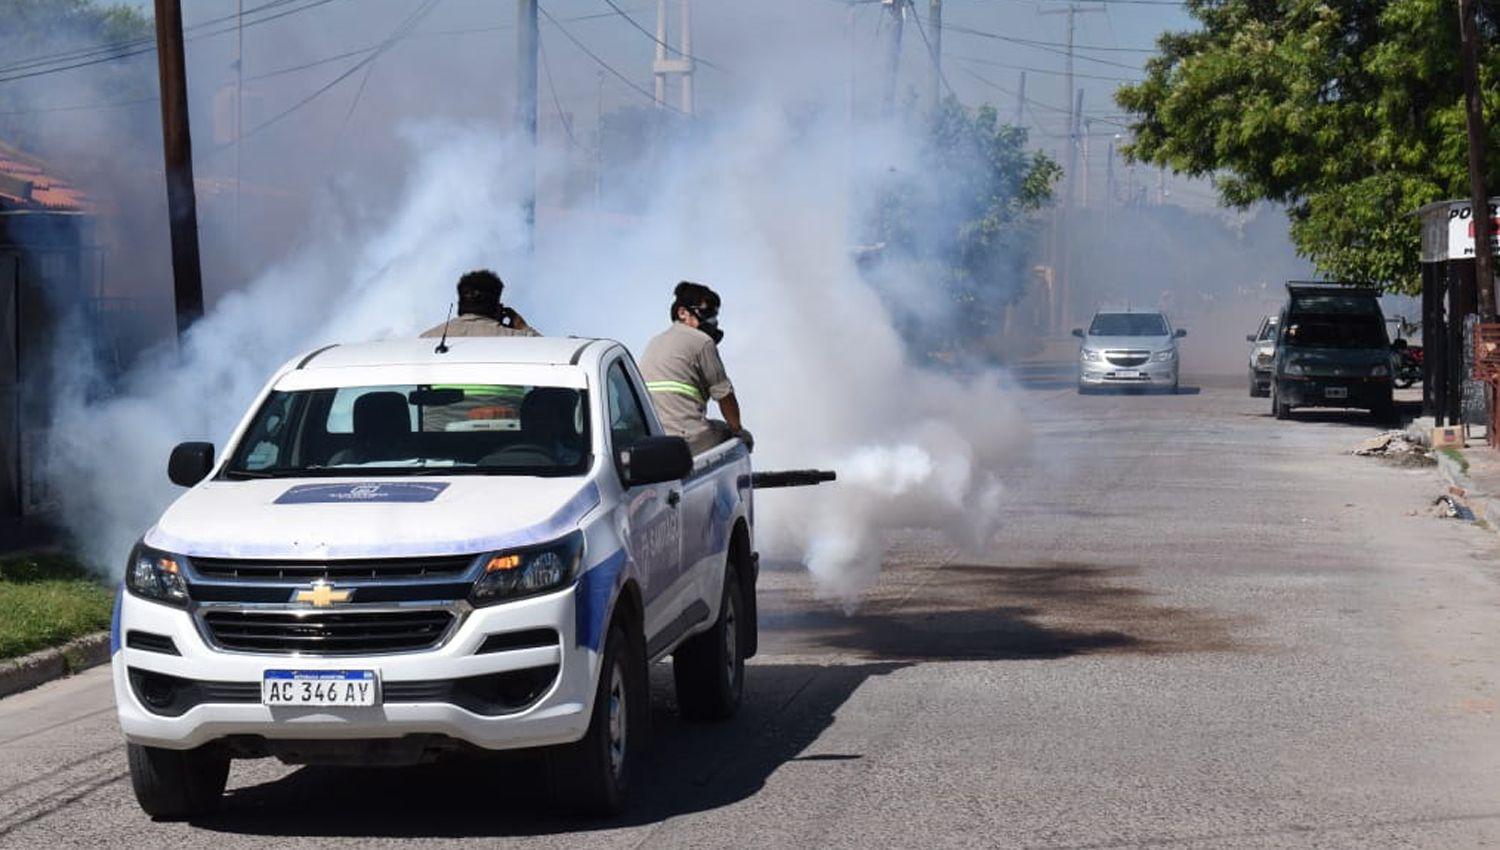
[592,595]
[114,621]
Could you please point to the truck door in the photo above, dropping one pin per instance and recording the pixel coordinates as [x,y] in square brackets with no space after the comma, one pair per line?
[653,537]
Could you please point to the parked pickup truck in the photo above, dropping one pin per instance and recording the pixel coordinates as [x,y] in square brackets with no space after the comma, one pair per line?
[403,553]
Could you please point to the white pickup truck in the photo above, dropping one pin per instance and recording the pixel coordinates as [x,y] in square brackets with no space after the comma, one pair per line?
[404,552]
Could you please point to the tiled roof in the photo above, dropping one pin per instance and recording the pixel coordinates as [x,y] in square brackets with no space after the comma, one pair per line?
[25,185]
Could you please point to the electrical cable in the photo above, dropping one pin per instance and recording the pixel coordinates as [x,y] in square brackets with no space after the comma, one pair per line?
[651,35]
[556,104]
[605,65]
[151,48]
[932,55]
[401,30]
[993,63]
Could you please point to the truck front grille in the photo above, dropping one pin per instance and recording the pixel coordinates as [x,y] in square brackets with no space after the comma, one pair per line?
[328,633]
[251,570]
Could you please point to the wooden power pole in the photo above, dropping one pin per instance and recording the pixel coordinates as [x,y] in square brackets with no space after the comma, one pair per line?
[1479,200]
[177,148]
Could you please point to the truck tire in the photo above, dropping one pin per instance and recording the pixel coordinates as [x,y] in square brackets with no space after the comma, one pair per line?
[1385,411]
[1279,408]
[177,784]
[592,777]
[709,668]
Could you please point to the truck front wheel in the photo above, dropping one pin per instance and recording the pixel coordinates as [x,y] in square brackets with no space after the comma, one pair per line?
[709,668]
[178,784]
[592,776]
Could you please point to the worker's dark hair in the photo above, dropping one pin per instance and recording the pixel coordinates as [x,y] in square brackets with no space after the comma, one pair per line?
[479,293]
[689,294]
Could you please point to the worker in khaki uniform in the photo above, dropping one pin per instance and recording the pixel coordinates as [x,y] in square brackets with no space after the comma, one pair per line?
[683,371]
[480,312]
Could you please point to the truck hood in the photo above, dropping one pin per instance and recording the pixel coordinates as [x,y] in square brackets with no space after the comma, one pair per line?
[371,518]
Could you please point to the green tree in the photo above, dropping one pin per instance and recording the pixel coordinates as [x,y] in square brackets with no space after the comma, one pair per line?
[41,35]
[1347,112]
[967,212]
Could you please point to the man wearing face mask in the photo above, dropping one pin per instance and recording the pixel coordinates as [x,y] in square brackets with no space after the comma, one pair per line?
[683,371]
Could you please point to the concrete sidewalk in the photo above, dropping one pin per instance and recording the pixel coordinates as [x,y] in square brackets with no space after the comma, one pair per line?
[1472,474]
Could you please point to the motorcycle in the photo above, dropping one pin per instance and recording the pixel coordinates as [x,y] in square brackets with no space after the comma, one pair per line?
[1408,364]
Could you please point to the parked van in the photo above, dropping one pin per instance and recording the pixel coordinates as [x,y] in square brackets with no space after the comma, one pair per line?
[1332,351]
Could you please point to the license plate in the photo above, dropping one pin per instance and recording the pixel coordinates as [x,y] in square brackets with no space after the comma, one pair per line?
[1335,392]
[1124,373]
[320,687]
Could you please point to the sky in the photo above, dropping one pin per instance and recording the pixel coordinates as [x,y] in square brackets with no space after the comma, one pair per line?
[1113,39]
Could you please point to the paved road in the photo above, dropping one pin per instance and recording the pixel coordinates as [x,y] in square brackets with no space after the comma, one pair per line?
[1201,628]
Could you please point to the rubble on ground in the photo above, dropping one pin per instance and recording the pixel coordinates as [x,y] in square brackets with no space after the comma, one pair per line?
[1396,447]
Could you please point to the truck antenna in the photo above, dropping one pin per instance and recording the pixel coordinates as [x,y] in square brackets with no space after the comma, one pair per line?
[442,346]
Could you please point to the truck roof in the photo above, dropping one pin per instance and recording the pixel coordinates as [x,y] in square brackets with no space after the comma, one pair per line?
[1300,287]
[536,351]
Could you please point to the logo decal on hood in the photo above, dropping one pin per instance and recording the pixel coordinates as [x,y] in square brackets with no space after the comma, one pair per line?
[381,491]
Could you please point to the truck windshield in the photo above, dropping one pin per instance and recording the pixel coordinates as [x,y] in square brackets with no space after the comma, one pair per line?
[1335,330]
[1128,324]
[427,429]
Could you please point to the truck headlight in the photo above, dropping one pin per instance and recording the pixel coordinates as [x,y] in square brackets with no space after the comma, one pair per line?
[156,576]
[1380,371]
[515,573]
[1292,368]
[1090,355]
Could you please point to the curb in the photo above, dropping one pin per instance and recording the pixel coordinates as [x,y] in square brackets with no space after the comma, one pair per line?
[1460,486]
[38,668]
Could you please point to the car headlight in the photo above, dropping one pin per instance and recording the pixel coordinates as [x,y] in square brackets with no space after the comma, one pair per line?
[156,576]
[1090,355]
[1380,370]
[1164,356]
[515,573]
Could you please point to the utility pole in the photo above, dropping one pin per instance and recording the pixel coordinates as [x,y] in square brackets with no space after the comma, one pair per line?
[666,64]
[935,18]
[1479,200]
[897,8]
[1109,176]
[177,149]
[1063,245]
[527,41]
[1084,146]
[1021,101]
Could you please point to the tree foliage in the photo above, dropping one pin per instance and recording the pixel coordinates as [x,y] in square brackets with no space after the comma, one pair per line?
[1348,112]
[968,209]
[32,30]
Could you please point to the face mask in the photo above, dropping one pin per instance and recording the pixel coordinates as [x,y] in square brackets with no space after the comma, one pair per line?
[711,327]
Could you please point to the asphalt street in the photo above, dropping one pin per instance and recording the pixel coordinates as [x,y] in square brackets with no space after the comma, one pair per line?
[1199,627]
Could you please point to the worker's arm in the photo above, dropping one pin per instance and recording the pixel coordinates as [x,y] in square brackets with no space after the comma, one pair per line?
[730,407]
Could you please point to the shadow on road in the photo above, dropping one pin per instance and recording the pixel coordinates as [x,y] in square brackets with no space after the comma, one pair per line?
[1406,411]
[690,767]
[988,612]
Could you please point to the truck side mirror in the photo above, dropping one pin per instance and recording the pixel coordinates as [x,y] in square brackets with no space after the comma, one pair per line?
[1078,332]
[190,463]
[654,460]
[1182,333]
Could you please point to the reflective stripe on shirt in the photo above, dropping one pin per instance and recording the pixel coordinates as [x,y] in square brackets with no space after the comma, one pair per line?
[675,387]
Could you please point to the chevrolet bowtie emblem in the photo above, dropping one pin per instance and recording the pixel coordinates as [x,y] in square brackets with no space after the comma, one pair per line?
[322,595]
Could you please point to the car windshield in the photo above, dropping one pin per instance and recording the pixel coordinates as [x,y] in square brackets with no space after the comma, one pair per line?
[1326,330]
[1128,324]
[1267,332]
[426,429]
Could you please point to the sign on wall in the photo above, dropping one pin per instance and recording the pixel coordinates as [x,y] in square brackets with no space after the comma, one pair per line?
[1448,230]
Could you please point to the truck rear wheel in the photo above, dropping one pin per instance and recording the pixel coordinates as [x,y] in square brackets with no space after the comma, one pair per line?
[709,668]
[592,776]
[178,784]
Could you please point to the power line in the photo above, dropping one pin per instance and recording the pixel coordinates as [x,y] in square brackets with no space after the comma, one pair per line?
[651,35]
[993,63]
[150,48]
[562,118]
[605,65]
[1045,46]
[931,55]
[401,30]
